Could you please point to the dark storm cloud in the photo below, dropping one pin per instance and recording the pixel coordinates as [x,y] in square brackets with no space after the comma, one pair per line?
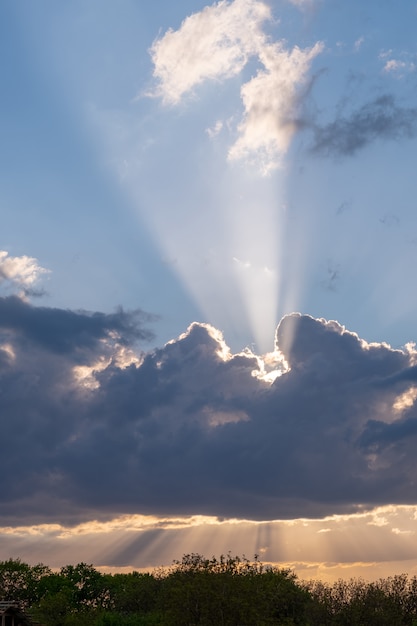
[190,430]
[381,118]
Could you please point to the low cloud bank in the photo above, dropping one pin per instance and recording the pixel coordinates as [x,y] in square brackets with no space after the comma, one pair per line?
[92,427]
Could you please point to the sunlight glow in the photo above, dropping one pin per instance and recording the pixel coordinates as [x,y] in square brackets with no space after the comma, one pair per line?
[406,400]
[219,418]
[121,356]
[270,367]
[225,240]
[8,349]
[358,543]
[85,374]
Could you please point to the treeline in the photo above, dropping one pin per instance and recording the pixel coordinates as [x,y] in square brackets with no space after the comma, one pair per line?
[209,592]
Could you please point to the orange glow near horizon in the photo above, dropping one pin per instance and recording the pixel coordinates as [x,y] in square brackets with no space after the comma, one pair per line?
[370,544]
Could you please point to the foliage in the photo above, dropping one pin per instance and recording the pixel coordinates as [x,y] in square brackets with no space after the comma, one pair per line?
[19,581]
[391,601]
[228,591]
[231,590]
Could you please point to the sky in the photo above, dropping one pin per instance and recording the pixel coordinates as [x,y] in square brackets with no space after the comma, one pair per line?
[207,268]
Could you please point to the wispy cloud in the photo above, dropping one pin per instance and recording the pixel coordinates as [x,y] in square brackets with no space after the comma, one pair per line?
[393,65]
[381,118]
[215,130]
[304,4]
[358,44]
[397,64]
[331,282]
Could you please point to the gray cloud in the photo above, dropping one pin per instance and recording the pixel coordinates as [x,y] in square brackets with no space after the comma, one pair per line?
[331,282]
[382,118]
[189,428]
[68,331]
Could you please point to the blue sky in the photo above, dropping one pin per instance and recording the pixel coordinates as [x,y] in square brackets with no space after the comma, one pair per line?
[227,164]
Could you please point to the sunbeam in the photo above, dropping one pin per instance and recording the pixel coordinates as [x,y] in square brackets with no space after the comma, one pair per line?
[314,548]
[207,259]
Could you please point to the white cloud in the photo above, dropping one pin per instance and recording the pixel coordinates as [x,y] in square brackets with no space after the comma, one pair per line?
[23,271]
[385,54]
[212,44]
[240,263]
[271,101]
[215,130]
[358,43]
[397,66]
[398,531]
[393,65]
[216,44]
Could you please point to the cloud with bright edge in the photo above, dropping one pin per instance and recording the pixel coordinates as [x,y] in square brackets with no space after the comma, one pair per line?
[326,424]
[216,44]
